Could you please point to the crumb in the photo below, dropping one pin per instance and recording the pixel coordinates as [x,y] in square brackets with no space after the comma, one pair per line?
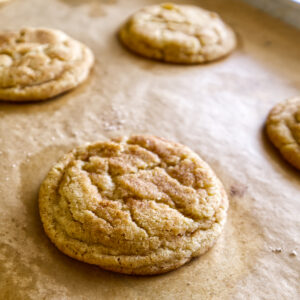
[276,250]
[293,253]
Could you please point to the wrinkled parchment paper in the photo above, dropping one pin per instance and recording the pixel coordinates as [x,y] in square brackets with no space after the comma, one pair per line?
[217,109]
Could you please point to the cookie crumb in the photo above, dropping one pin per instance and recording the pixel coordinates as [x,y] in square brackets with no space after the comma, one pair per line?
[294,253]
[276,250]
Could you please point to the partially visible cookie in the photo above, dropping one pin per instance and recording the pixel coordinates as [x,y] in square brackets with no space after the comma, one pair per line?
[178,34]
[137,205]
[40,63]
[283,128]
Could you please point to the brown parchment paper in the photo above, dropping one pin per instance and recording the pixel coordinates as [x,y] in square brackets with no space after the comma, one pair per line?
[217,109]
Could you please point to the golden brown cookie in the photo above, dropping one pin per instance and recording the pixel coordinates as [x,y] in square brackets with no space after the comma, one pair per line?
[283,128]
[178,34]
[40,63]
[137,205]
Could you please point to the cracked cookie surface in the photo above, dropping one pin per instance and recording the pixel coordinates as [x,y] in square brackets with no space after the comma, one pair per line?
[134,205]
[178,34]
[40,63]
[283,129]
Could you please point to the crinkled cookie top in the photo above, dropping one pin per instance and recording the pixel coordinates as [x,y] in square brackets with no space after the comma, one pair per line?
[39,63]
[178,33]
[139,205]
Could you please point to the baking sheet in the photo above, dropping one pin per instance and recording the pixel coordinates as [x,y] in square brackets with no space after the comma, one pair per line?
[217,109]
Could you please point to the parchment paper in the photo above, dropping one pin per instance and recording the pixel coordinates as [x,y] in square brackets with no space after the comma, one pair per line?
[217,109]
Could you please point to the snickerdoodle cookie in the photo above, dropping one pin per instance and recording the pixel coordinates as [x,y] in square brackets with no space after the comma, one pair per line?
[39,63]
[178,34]
[283,128]
[137,205]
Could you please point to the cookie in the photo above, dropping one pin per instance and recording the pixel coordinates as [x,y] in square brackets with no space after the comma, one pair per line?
[178,34]
[138,205]
[40,63]
[283,129]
